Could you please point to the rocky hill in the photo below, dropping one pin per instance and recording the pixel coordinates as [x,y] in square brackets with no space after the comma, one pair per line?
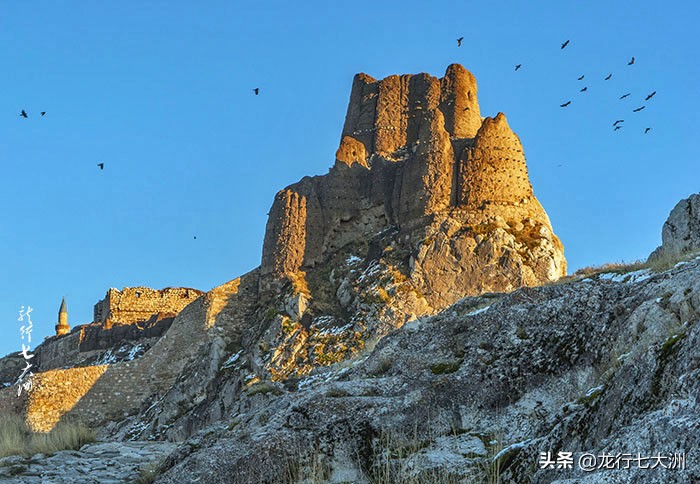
[393,330]
[605,365]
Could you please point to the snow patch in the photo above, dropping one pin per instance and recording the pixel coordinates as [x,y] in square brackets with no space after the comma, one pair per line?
[334,331]
[133,353]
[629,277]
[107,359]
[594,391]
[352,260]
[478,311]
[371,270]
[231,360]
[324,377]
[510,448]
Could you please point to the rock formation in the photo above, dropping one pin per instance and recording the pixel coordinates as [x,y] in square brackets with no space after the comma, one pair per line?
[605,366]
[681,232]
[416,158]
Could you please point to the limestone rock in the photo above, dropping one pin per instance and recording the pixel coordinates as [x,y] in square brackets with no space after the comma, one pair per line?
[681,231]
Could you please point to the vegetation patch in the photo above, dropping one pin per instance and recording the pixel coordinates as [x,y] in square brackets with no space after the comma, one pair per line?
[149,473]
[337,393]
[445,367]
[619,267]
[17,439]
[263,387]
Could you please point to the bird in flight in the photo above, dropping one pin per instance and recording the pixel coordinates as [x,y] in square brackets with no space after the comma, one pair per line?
[564,44]
[459,41]
[650,96]
[565,104]
[647,130]
[608,78]
[631,61]
[256,91]
[518,66]
[195,237]
[584,89]
[24,114]
[618,122]
[101,165]
[43,113]
[617,127]
[581,78]
[624,95]
[638,109]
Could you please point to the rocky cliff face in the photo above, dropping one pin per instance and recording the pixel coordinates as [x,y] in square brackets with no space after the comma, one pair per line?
[681,231]
[605,365]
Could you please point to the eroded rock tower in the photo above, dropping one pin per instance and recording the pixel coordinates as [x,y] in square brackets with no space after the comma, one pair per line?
[416,157]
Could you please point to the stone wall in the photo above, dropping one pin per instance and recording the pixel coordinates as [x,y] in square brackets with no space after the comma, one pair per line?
[97,394]
[135,304]
[56,392]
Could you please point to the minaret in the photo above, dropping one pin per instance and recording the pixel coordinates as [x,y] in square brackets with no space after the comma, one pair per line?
[62,326]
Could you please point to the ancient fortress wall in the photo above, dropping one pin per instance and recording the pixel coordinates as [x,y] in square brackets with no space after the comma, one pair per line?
[135,304]
[100,393]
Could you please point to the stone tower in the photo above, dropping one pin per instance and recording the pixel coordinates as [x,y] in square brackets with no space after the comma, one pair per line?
[62,326]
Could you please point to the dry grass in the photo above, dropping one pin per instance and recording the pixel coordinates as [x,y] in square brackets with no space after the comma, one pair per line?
[391,462]
[17,439]
[665,261]
[148,473]
[619,267]
[658,264]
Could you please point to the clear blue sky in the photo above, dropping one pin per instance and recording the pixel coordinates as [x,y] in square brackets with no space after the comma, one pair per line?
[161,92]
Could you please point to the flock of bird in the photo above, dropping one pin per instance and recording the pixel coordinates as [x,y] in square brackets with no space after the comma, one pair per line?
[25,115]
[618,124]
[101,165]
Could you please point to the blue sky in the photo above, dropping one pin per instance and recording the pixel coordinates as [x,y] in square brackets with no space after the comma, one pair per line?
[161,92]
